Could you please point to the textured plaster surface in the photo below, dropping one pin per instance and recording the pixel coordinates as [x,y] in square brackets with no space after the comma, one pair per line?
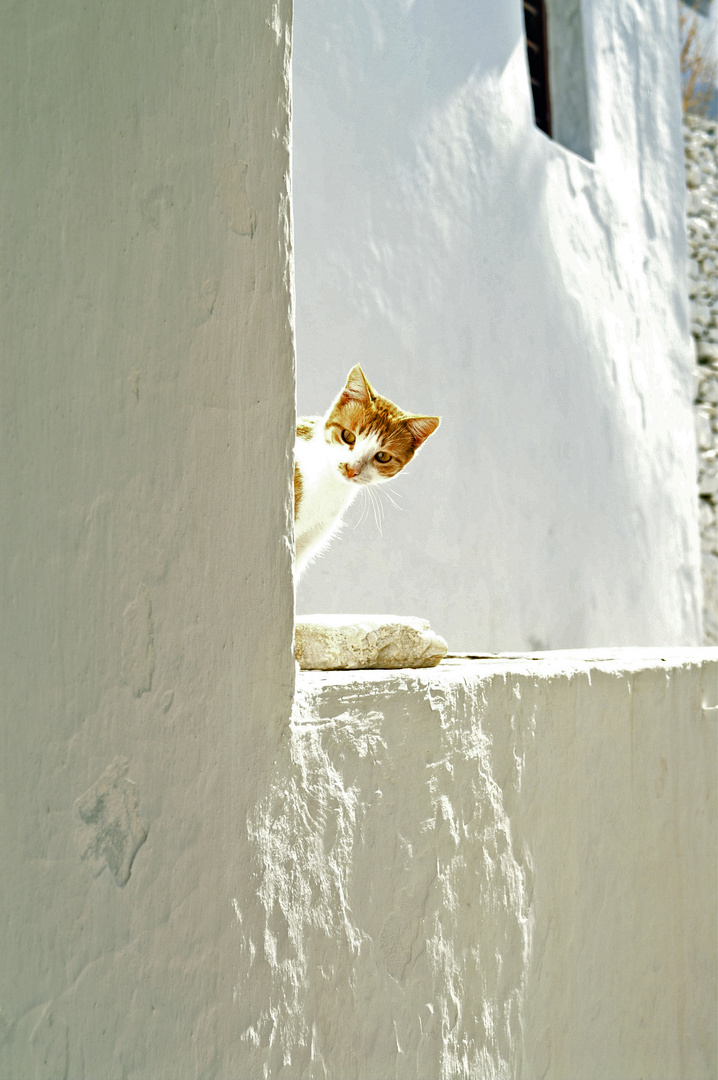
[534,299]
[496,868]
[147,405]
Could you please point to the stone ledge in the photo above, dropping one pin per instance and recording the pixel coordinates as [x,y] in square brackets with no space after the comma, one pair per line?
[341,642]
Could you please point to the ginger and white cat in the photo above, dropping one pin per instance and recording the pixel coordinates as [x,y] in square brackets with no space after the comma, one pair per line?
[363,439]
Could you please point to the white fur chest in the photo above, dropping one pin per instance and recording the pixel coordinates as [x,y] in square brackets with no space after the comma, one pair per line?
[324,496]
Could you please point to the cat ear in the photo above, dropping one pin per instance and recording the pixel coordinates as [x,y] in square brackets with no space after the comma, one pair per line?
[357,388]
[421,427]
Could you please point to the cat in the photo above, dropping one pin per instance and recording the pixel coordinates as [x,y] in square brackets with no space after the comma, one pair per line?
[363,439]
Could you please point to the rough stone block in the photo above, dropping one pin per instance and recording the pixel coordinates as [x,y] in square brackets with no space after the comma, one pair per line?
[704,431]
[333,642]
[693,177]
[708,482]
[707,351]
[709,389]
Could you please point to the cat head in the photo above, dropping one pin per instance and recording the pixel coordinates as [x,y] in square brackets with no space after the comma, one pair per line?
[374,439]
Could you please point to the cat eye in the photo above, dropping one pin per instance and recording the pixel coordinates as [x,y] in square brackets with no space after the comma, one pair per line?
[349,437]
[383,457]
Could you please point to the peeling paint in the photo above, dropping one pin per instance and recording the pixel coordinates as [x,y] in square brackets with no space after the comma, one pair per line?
[110,832]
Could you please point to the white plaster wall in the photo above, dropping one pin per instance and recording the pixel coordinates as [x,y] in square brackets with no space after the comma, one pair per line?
[147,413]
[534,299]
[497,868]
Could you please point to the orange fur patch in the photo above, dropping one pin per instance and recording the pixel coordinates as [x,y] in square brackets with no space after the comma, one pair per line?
[305,430]
[305,427]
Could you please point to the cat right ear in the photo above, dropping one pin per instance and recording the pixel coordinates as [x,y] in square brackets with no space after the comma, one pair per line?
[357,388]
[421,427]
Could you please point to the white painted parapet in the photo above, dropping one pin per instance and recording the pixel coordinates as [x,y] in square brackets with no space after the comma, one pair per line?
[495,868]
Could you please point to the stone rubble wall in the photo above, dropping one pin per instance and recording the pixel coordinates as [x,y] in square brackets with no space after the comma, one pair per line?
[702,220]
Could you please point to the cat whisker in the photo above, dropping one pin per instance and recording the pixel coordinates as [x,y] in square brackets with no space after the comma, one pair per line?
[390,496]
[376,506]
[369,494]
[364,508]
[382,507]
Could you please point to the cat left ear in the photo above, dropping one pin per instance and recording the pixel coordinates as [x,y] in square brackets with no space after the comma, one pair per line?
[357,388]
[421,427]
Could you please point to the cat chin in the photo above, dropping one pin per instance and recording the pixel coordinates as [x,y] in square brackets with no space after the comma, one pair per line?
[359,481]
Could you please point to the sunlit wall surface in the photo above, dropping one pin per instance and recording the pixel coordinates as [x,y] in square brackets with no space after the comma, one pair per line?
[533,298]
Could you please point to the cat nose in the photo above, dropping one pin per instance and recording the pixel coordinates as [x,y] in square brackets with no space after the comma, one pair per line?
[350,471]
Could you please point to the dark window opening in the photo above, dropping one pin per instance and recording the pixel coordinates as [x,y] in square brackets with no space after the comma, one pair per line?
[535,22]
[558,72]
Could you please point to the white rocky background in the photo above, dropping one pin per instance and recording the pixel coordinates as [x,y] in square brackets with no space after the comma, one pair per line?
[702,215]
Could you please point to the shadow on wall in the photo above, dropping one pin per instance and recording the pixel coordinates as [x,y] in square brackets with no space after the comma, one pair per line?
[393,62]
